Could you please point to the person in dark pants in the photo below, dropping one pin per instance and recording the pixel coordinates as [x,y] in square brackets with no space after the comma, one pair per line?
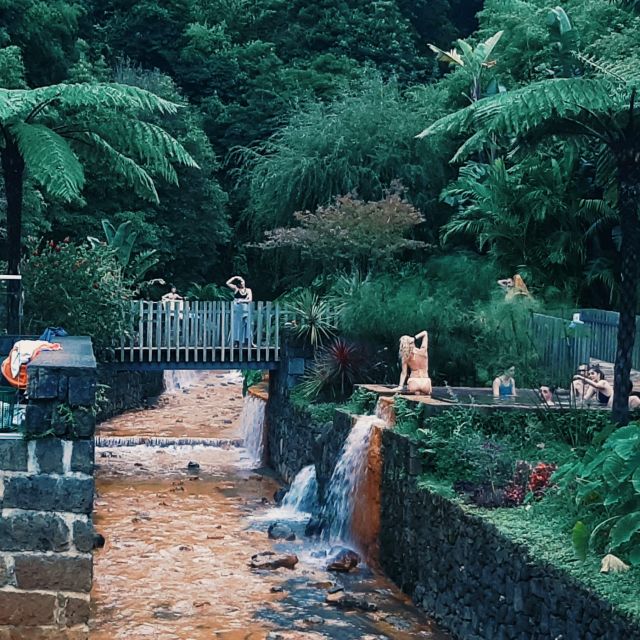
[242,296]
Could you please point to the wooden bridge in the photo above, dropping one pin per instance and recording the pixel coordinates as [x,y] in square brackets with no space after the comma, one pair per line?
[178,334]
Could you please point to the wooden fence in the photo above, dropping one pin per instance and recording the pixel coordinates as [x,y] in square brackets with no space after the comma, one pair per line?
[182,331]
[562,345]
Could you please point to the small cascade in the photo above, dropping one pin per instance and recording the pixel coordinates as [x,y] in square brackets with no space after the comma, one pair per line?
[162,442]
[385,410]
[253,428]
[302,496]
[347,479]
[176,381]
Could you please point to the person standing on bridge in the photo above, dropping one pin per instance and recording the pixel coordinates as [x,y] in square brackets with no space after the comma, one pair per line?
[242,296]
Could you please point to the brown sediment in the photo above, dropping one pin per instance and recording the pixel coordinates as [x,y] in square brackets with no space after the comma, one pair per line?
[260,390]
[365,522]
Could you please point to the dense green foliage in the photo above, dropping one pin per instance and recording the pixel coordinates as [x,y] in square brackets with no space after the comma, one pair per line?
[77,287]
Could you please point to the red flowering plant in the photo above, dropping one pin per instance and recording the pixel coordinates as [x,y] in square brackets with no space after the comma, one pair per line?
[540,478]
[77,287]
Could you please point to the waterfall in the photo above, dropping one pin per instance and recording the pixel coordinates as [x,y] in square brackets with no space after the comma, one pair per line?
[253,428]
[347,477]
[175,381]
[302,496]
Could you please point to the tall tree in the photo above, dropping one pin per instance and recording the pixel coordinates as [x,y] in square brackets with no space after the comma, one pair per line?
[48,133]
[605,111]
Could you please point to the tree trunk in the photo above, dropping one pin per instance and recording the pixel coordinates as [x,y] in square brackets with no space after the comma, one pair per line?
[628,199]
[13,171]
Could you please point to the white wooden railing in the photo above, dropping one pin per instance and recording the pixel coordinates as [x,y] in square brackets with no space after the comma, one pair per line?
[182,331]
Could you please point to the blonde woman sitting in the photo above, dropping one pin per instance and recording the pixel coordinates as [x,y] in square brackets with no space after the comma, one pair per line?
[417,360]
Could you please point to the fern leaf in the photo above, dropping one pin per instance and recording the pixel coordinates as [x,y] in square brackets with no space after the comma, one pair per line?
[118,97]
[101,152]
[50,160]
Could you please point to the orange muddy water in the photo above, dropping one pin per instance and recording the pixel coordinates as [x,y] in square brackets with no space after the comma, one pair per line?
[178,539]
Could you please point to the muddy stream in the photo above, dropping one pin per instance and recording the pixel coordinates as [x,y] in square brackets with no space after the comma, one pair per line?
[179,537]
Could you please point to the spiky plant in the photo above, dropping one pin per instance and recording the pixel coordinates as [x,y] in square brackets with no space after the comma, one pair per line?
[337,367]
[50,133]
[603,110]
[314,319]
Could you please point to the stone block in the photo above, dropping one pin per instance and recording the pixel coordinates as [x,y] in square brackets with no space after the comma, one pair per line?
[295,366]
[55,573]
[63,388]
[33,532]
[26,609]
[13,454]
[82,390]
[84,423]
[45,493]
[6,576]
[42,383]
[83,535]
[37,420]
[49,455]
[82,456]
[76,611]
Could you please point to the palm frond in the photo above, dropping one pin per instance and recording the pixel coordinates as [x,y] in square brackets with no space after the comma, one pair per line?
[50,160]
[147,142]
[100,151]
[119,97]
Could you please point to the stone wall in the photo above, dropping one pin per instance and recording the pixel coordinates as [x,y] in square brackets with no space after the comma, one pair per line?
[46,500]
[468,576]
[291,433]
[328,446]
[124,390]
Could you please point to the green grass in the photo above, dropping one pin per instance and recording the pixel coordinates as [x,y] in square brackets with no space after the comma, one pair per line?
[544,528]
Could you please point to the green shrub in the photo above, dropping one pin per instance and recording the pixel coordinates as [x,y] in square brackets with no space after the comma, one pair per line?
[77,287]
[605,485]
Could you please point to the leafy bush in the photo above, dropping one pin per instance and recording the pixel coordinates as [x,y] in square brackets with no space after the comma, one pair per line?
[606,487]
[77,287]
[362,402]
[249,378]
[209,292]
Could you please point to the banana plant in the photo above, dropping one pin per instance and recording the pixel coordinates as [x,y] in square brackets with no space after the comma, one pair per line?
[121,241]
[474,62]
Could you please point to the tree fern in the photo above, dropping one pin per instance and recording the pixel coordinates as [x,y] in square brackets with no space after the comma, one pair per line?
[92,146]
[50,160]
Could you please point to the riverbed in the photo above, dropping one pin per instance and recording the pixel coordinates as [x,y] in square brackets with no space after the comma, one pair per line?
[181,523]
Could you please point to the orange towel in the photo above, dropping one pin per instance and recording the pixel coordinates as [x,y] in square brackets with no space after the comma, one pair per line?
[20,381]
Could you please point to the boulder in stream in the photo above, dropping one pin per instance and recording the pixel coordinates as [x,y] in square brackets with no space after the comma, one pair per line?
[314,527]
[279,494]
[347,601]
[272,560]
[343,560]
[280,531]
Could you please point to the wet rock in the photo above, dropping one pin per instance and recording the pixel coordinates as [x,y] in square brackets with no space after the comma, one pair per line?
[314,527]
[348,601]
[399,623]
[279,494]
[272,635]
[314,620]
[343,561]
[336,589]
[276,589]
[280,531]
[272,560]
[321,585]
[165,613]
[193,466]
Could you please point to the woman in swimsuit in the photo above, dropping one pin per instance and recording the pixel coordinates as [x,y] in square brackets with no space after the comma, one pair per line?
[417,360]
[504,385]
[601,388]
